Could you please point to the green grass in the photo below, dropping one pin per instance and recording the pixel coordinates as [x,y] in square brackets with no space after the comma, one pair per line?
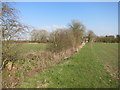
[83,70]
[31,47]
[23,64]
[107,54]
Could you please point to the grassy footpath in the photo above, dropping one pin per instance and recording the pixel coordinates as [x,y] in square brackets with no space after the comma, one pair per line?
[82,70]
[107,54]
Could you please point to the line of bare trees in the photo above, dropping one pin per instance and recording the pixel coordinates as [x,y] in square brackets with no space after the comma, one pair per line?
[62,39]
[108,39]
[40,36]
[75,27]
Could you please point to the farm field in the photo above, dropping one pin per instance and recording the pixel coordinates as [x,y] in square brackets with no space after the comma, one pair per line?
[23,63]
[33,47]
[85,69]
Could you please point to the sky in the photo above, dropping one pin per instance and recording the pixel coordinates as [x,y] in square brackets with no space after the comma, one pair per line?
[101,17]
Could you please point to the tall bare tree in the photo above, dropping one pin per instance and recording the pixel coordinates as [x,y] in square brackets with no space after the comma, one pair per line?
[11,29]
[78,30]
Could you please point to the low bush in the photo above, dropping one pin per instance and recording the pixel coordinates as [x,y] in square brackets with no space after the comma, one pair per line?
[10,52]
[63,39]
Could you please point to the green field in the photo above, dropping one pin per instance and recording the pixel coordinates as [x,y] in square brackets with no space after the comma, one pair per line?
[33,47]
[107,54]
[85,69]
[23,64]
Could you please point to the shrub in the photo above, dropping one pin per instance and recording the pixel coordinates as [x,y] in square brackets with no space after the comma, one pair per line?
[63,39]
[10,52]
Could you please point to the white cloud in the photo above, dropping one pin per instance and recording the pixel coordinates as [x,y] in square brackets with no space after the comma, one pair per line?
[52,27]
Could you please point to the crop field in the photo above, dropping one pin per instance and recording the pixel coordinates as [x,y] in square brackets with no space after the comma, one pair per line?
[94,66]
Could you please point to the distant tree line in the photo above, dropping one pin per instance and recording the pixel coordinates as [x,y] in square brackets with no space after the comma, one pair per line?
[40,36]
[108,39]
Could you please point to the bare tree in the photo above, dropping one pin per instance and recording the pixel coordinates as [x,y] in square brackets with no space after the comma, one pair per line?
[91,36]
[39,35]
[59,40]
[78,30]
[11,26]
[11,30]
